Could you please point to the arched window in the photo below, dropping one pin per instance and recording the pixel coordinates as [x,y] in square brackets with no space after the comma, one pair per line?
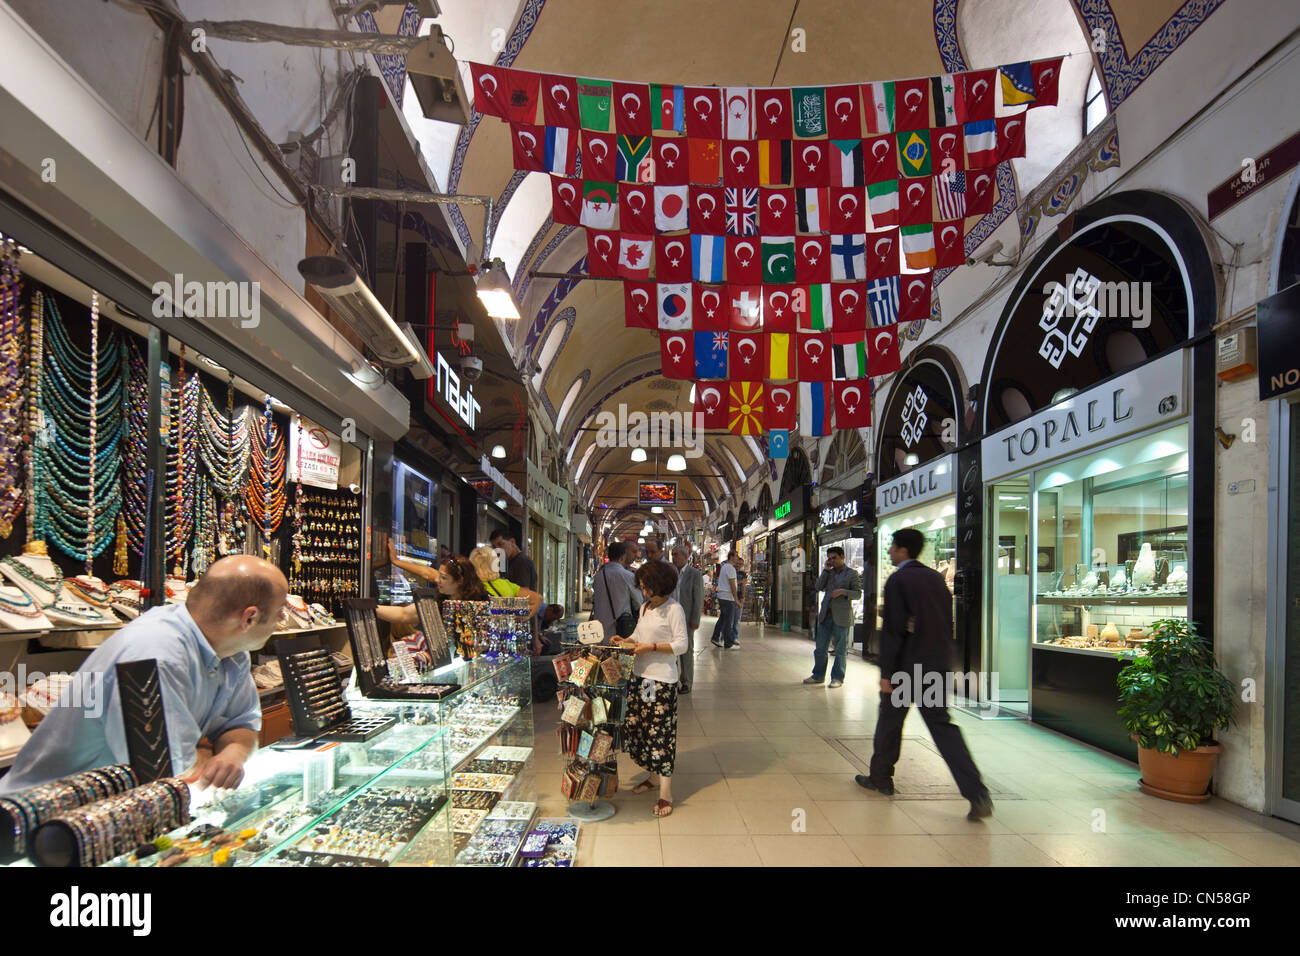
[567,404]
[1094,104]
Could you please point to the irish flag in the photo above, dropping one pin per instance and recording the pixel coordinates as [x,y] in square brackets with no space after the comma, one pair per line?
[918,246]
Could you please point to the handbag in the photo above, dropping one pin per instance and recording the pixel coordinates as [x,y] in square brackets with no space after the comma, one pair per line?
[625,623]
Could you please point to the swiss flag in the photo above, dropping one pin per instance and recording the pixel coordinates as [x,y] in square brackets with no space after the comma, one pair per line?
[602,253]
[912,104]
[677,354]
[812,259]
[947,150]
[673,259]
[843,112]
[848,208]
[1011,136]
[747,356]
[914,296]
[949,248]
[704,112]
[772,116]
[882,351]
[740,162]
[566,200]
[599,152]
[634,256]
[812,163]
[1047,76]
[672,161]
[744,307]
[529,147]
[980,186]
[915,207]
[711,406]
[849,306]
[708,211]
[880,158]
[816,360]
[776,211]
[560,101]
[882,254]
[632,116]
[782,407]
[711,312]
[636,208]
[852,404]
[975,95]
[504,92]
[744,264]
[778,308]
[639,305]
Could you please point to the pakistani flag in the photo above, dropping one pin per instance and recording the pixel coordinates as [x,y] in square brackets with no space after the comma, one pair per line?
[809,105]
[778,259]
[593,104]
[914,152]
[818,316]
[851,360]
[599,204]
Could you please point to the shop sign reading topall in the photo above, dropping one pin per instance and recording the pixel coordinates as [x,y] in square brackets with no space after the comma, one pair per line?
[933,480]
[1136,400]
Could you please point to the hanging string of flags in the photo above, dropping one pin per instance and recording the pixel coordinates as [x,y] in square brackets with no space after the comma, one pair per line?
[774,236]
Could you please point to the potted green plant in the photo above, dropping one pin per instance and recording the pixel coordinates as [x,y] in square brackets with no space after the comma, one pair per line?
[1172,699]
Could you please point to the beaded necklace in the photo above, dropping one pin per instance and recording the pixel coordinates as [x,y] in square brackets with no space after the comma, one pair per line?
[13,418]
[180,478]
[266,491]
[205,527]
[297,498]
[35,420]
[136,425]
[23,605]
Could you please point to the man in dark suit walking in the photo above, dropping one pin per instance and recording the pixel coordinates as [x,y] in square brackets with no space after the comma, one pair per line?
[915,663]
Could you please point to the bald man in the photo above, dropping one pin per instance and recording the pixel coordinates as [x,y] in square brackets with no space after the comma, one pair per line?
[202,649]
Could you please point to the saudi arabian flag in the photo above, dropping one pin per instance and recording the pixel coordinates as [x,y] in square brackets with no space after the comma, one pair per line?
[809,106]
[818,318]
[593,103]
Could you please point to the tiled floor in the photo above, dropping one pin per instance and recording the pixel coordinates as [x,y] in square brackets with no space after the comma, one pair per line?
[765,771]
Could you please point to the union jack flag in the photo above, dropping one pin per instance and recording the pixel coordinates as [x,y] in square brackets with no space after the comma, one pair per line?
[719,341]
[950,191]
[742,211]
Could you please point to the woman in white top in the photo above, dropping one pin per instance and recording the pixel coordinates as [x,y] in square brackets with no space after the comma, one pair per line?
[650,728]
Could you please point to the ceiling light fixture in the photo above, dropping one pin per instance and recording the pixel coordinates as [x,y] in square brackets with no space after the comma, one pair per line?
[912,459]
[676,462]
[638,454]
[494,291]
[498,451]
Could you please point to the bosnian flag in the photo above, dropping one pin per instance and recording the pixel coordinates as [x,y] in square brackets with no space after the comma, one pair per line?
[816,411]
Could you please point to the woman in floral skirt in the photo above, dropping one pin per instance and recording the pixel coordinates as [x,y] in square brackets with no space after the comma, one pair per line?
[650,728]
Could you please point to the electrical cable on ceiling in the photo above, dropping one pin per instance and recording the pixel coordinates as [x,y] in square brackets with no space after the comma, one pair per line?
[784,39]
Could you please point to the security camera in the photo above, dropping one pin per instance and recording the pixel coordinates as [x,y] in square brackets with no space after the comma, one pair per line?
[471,368]
[986,254]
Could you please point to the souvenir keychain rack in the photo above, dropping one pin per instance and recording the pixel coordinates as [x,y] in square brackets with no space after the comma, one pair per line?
[331,548]
[592,744]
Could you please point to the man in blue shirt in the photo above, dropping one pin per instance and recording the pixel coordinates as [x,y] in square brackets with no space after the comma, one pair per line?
[835,620]
[202,650]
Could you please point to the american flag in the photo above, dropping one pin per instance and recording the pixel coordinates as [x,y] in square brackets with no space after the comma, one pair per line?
[950,190]
[742,211]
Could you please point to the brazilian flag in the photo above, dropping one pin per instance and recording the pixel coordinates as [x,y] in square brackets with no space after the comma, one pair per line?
[914,152]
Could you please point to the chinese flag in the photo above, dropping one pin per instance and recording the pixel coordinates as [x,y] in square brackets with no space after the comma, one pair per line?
[980,186]
[975,95]
[772,116]
[632,116]
[844,112]
[812,164]
[711,403]
[882,351]
[1047,76]
[636,209]
[677,354]
[599,152]
[508,93]
[745,408]
[778,308]
[744,264]
[566,201]
[849,306]
[812,259]
[949,248]
[912,104]
[740,162]
[816,361]
[639,305]
[852,404]
[915,207]
[781,404]
[1011,136]
[914,296]
[560,101]
[706,155]
[747,356]
[704,112]
[880,158]
[882,254]
[673,258]
[672,161]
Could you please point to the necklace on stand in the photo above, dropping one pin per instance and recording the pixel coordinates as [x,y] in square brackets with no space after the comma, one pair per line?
[205,527]
[13,387]
[35,421]
[266,491]
[180,470]
[136,424]
[231,530]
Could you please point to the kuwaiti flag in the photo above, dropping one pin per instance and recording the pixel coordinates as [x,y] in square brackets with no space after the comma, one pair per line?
[739,104]
[882,200]
[672,207]
[918,246]
[816,311]
[943,93]
[815,409]
[981,144]
[878,107]
[882,295]
[811,209]
[846,163]
[709,255]
[674,305]
[1017,83]
[561,150]
[850,356]
[599,203]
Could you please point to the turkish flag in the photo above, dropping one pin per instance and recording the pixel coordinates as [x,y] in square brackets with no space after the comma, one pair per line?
[778,309]
[781,407]
[812,259]
[848,209]
[914,296]
[812,163]
[672,161]
[947,150]
[602,253]
[740,162]
[708,211]
[673,258]
[528,144]
[711,403]
[599,151]
[949,248]
[704,112]
[882,350]
[880,158]
[1011,136]
[632,116]
[636,209]
[844,112]
[975,95]
[912,104]
[852,404]
[560,101]
[849,306]
[980,186]
[776,211]
[882,254]
[566,200]
[1047,76]
[508,93]
[772,116]
[744,307]
[816,362]
[639,305]
[711,312]
[677,354]
[747,356]
[744,264]
[915,207]
[705,154]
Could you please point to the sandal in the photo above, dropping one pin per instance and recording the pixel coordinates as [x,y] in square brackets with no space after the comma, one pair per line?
[643,786]
[662,808]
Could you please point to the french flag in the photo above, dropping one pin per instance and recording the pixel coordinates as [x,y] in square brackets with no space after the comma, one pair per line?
[981,144]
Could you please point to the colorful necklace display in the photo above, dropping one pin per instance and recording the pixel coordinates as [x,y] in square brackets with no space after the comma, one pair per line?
[297,499]
[266,491]
[13,388]
[205,527]
[137,452]
[181,468]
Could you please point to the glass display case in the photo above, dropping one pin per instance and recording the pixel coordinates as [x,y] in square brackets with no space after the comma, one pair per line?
[937,521]
[452,782]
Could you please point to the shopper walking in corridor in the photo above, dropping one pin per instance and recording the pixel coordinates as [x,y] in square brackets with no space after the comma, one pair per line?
[615,596]
[841,586]
[728,591]
[916,642]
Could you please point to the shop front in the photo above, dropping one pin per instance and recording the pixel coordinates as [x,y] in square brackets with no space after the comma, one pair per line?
[846,521]
[548,503]
[791,530]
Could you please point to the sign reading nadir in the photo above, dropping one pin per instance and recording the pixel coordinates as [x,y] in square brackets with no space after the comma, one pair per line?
[447,384]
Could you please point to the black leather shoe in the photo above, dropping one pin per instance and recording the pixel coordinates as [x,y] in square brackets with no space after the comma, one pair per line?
[980,808]
[862,780]
[683,690]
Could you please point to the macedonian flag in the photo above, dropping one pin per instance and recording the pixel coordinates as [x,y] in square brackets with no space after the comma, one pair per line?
[745,408]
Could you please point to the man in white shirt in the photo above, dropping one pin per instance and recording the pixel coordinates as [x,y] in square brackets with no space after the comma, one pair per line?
[724,632]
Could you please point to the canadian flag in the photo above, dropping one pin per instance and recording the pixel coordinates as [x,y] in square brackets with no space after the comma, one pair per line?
[673,258]
[639,310]
[634,256]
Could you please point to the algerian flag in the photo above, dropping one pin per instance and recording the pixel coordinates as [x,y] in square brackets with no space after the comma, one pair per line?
[778,259]
[599,204]
[882,199]
[918,246]
[593,103]
[818,316]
